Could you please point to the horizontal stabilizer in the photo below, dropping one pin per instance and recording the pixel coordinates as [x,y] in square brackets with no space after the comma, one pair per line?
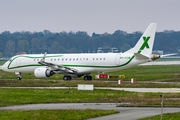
[140,56]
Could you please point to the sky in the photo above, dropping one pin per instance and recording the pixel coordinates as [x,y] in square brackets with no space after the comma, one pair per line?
[97,16]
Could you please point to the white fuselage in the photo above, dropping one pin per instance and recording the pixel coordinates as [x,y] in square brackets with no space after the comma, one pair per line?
[84,63]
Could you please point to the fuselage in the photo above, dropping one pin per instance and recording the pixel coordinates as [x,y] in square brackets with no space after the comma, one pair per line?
[84,63]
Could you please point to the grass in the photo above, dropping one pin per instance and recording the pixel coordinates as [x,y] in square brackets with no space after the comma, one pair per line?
[2,62]
[161,73]
[14,96]
[167,116]
[142,74]
[53,114]
[74,83]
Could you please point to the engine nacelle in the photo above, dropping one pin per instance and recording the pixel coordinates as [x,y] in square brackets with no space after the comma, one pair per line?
[43,72]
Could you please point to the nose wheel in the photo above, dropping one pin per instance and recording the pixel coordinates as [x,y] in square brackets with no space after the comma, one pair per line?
[18,78]
[19,75]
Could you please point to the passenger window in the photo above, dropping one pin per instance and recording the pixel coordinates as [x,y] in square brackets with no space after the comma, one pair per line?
[93,59]
[66,59]
[58,59]
[83,58]
[73,58]
[69,59]
[86,58]
[104,58]
[100,58]
[54,59]
[77,59]
[34,59]
[96,58]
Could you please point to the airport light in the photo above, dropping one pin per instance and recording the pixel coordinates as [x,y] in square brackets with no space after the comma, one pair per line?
[162,105]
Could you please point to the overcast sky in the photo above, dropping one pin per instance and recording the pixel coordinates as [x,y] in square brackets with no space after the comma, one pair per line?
[97,16]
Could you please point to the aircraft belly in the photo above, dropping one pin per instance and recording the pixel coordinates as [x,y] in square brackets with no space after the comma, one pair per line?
[85,70]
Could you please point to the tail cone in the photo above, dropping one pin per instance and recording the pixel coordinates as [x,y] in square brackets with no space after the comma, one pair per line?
[154,57]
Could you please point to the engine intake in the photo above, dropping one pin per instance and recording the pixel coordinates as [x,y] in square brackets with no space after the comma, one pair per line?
[42,72]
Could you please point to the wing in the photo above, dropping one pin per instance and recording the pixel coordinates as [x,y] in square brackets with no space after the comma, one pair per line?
[56,67]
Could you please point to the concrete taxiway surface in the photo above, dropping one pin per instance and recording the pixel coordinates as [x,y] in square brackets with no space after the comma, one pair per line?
[125,89]
[162,63]
[126,113]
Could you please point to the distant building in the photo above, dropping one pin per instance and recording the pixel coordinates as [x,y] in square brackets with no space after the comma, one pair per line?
[157,52]
[107,49]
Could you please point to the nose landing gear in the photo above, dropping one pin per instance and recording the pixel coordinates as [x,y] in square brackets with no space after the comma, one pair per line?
[19,75]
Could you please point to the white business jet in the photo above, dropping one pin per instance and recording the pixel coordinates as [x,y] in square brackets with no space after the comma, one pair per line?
[77,65]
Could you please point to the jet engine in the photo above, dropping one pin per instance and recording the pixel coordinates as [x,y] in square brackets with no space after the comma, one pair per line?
[43,72]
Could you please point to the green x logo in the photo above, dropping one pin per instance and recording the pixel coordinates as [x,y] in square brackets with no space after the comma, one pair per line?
[145,44]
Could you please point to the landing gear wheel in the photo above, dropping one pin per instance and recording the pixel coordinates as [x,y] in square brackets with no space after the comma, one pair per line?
[87,78]
[18,78]
[69,77]
[66,78]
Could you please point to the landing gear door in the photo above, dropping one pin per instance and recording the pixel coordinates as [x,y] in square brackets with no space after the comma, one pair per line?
[117,60]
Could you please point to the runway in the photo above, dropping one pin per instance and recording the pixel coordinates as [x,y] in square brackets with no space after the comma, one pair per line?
[126,113]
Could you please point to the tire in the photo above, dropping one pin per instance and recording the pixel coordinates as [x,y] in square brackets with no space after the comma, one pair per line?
[85,78]
[69,77]
[65,78]
[90,78]
[18,78]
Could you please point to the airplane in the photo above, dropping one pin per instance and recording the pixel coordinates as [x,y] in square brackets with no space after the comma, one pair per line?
[77,65]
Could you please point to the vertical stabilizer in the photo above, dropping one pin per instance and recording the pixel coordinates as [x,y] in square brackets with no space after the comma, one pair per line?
[145,43]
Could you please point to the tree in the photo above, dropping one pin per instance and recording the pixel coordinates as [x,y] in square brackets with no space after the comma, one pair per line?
[125,47]
[10,48]
[23,46]
[0,54]
[35,45]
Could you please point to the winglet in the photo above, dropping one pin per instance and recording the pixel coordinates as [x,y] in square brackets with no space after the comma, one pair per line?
[43,59]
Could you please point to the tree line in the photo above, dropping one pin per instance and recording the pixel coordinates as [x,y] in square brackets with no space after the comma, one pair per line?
[80,42]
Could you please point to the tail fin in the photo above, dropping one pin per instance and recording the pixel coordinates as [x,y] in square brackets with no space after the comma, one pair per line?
[145,43]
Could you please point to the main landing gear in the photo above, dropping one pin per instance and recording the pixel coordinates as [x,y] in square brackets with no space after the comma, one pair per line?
[66,78]
[87,78]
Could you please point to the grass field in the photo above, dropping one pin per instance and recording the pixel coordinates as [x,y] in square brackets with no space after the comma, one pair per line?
[14,96]
[53,114]
[169,73]
[2,62]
